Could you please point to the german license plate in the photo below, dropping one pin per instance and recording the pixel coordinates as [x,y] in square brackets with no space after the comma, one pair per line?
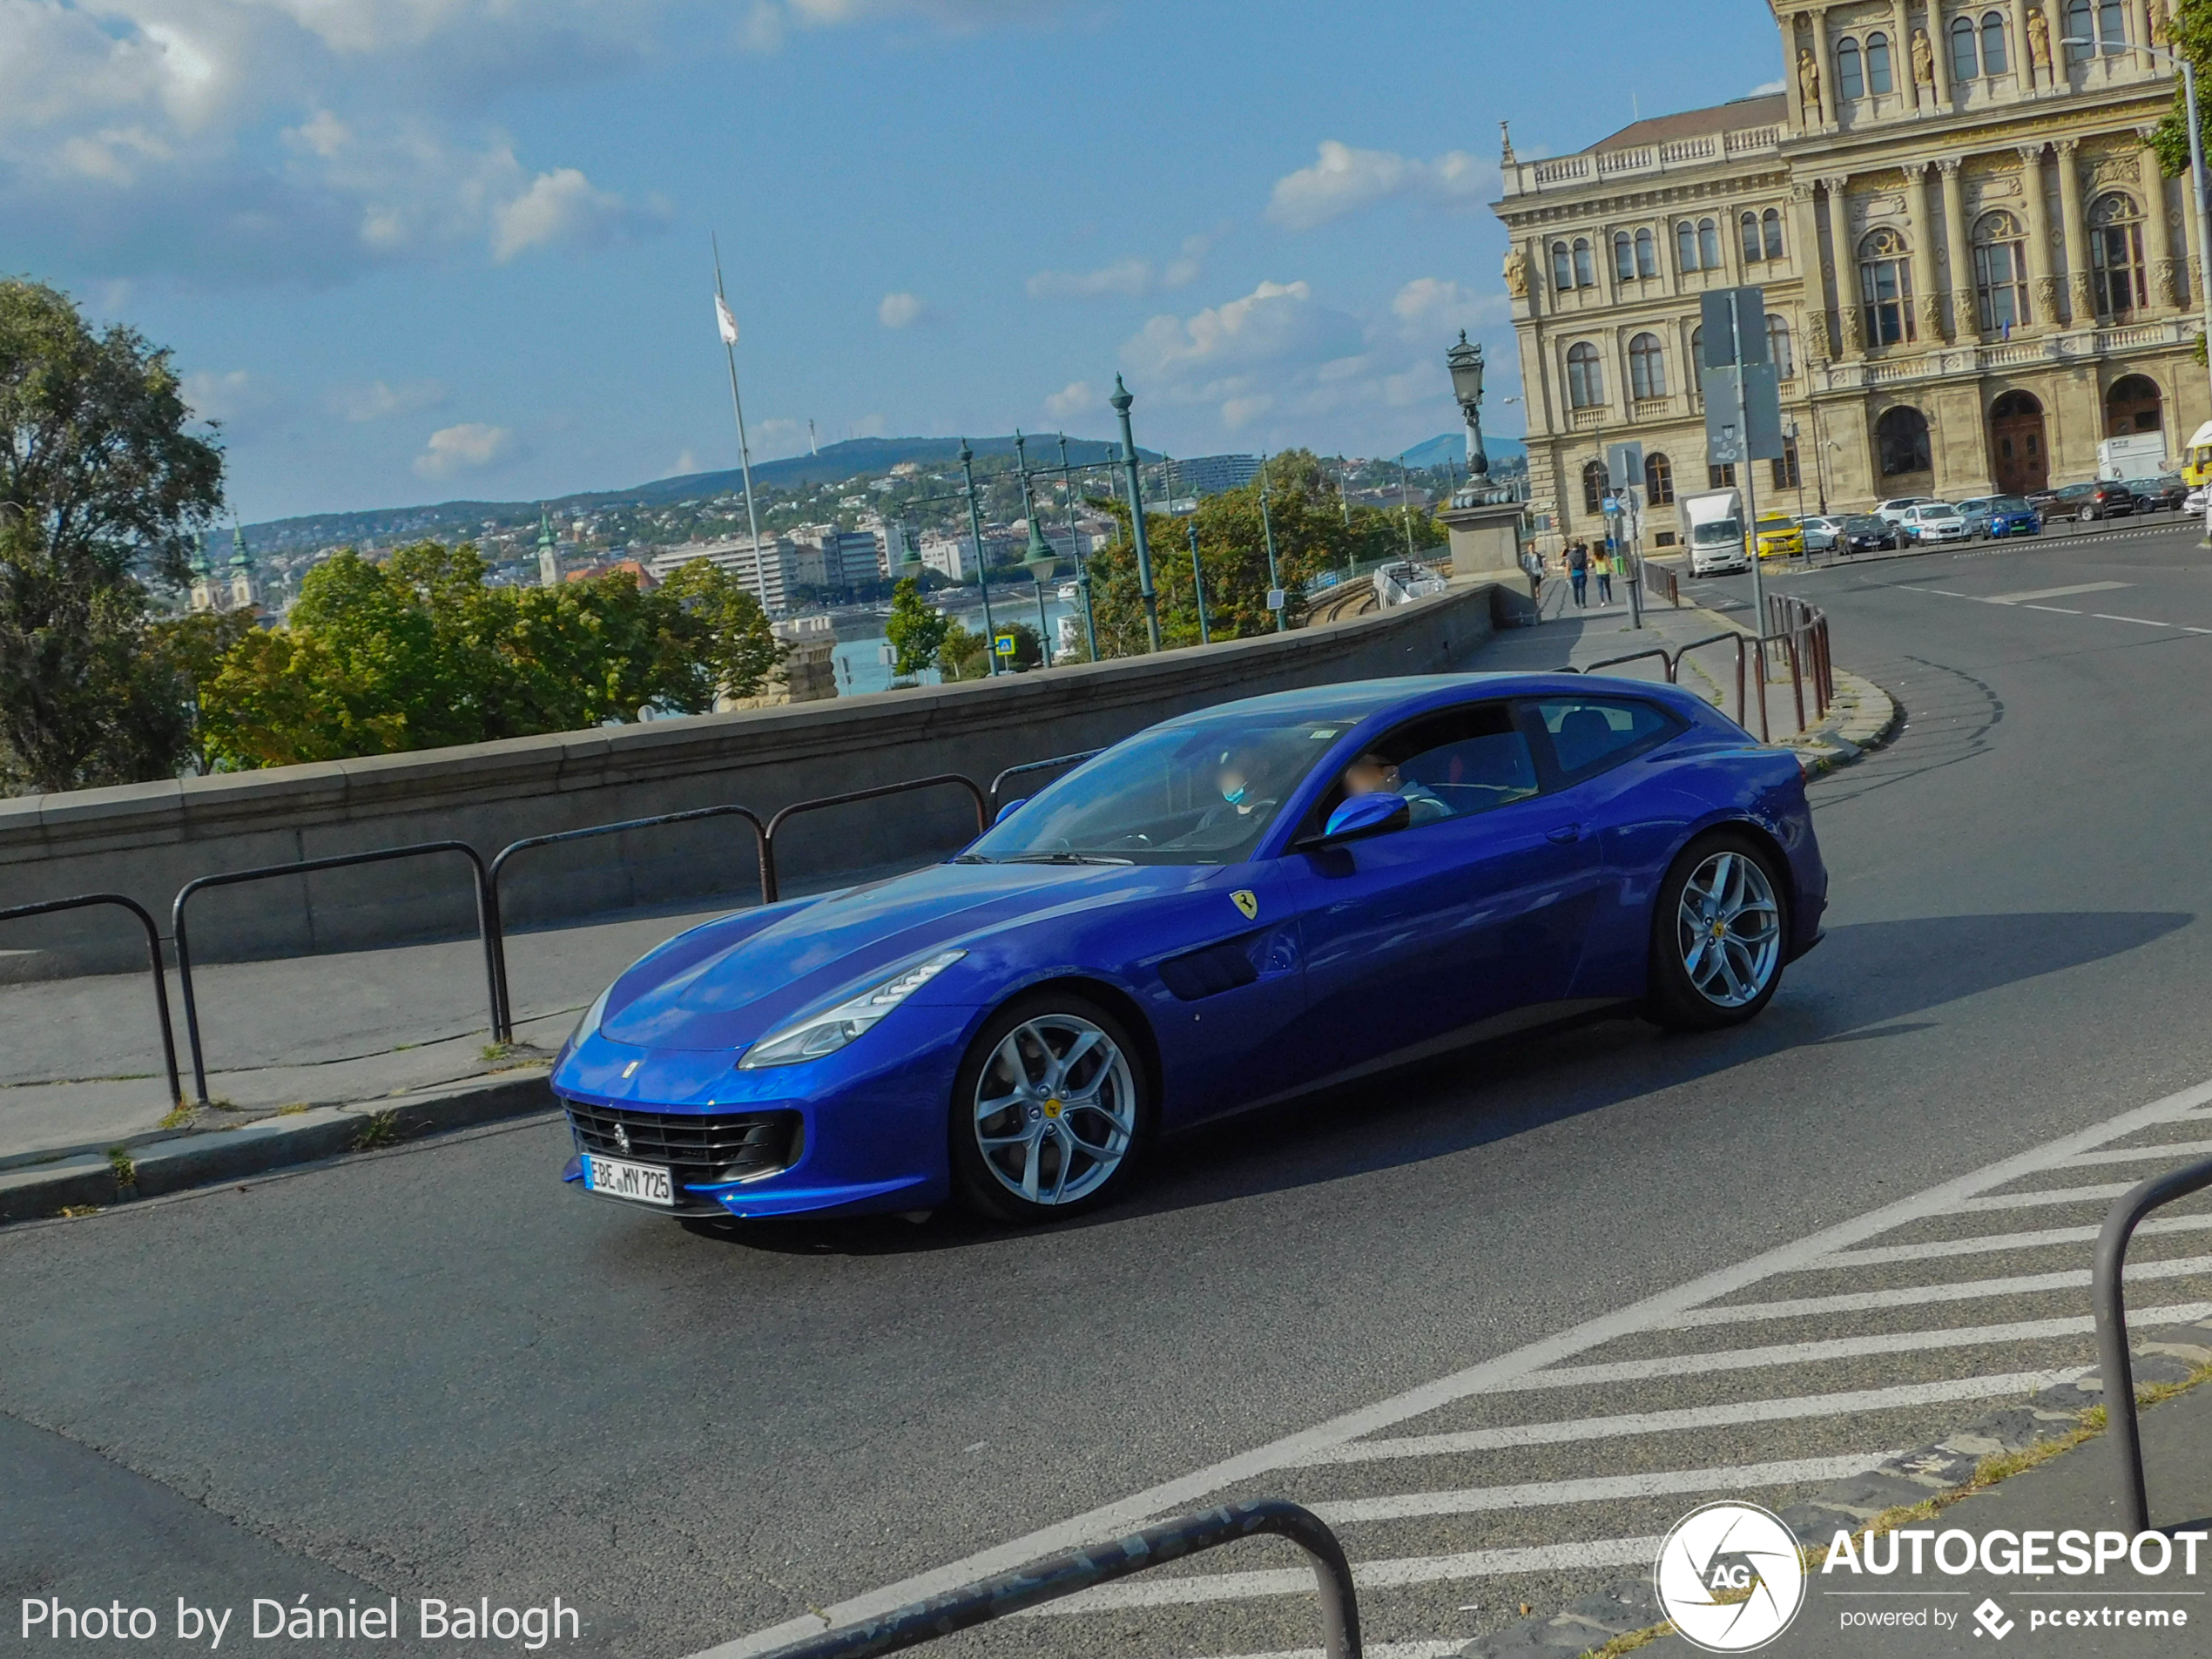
[640,1183]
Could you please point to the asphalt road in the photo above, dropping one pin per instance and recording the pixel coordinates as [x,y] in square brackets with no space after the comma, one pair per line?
[432,1371]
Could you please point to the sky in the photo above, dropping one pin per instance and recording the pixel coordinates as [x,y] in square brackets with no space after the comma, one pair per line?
[420,250]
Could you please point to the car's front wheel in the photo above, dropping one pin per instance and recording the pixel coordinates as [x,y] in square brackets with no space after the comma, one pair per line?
[1049,1109]
[1718,935]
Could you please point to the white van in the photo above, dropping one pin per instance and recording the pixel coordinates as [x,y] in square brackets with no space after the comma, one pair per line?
[1712,527]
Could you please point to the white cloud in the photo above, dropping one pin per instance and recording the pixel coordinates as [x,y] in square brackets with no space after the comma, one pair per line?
[225,397]
[380,400]
[900,311]
[684,464]
[1343,179]
[1767,88]
[1185,270]
[1431,304]
[1076,397]
[1124,276]
[562,208]
[470,447]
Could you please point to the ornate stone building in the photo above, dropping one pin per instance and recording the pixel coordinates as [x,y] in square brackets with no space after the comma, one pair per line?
[1973,269]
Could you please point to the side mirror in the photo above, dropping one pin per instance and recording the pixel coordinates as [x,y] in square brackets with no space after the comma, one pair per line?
[1361,815]
[1008,811]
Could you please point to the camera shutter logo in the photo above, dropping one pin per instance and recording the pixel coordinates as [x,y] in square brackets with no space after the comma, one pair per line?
[1991,1618]
[1731,1577]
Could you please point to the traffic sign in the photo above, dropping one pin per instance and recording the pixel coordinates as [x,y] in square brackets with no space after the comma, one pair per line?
[1276,598]
[1004,644]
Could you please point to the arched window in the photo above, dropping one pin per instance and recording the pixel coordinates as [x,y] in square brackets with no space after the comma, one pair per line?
[1878,64]
[1585,377]
[2000,274]
[2133,405]
[1658,481]
[2116,256]
[1964,65]
[1748,225]
[1849,79]
[1686,245]
[1786,474]
[1647,366]
[1709,244]
[1647,254]
[1697,353]
[1562,271]
[1624,257]
[1779,350]
[1585,272]
[2111,26]
[1885,288]
[1901,441]
[1771,232]
[2079,17]
[1593,488]
[1994,58]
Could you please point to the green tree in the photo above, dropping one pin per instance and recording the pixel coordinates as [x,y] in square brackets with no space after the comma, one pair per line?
[966,656]
[916,630]
[100,486]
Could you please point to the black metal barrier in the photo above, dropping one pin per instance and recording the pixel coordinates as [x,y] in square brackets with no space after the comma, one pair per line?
[85,900]
[2114,1365]
[502,1001]
[770,891]
[485,915]
[1065,1574]
[1037,766]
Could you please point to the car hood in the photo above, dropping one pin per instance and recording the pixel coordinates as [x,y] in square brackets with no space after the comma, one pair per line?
[710,993]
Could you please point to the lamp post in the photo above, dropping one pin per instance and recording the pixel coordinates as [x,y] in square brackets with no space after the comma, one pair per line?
[1465,361]
[1082,558]
[982,576]
[1267,529]
[1121,401]
[1039,555]
[1198,583]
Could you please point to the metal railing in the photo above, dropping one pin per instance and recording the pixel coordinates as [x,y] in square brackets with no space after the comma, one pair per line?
[1662,579]
[1074,1570]
[270,872]
[1799,629]
[85,901]
[2114,1367]
[768,889]
[1027,766]
[503,1000]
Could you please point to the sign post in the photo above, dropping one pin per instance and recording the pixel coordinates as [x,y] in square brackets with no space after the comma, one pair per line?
[1742,406]
[1624,471]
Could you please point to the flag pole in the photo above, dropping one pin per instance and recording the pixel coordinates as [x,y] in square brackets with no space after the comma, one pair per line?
[745,450]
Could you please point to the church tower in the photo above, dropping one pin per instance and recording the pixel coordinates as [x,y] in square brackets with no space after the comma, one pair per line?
[246,593]
[549,556]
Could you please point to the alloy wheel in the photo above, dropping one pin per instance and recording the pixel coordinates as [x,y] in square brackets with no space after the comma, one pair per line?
[1729,929]
[1056,1109]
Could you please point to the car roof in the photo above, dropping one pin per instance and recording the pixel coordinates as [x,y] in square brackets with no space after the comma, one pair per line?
[1413,693]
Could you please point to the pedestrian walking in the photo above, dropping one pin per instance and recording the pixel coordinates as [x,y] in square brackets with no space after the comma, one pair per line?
[1578,573]
[1601,567]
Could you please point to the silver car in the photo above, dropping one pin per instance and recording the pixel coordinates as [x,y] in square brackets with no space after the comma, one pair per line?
[1976,511]
[1822,534]
[1934,521]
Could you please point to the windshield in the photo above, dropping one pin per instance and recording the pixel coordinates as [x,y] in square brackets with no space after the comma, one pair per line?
[1721,529]
[1938,512]
[1196,792]
[2008,504]
[1863,523]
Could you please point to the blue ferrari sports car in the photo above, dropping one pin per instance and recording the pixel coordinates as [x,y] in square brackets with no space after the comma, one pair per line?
[1228,909]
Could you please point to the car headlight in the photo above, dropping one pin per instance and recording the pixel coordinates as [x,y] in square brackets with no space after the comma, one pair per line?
[829,1030]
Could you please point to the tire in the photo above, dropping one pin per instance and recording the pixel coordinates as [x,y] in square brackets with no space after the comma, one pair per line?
[1722,881]
[1027,1148]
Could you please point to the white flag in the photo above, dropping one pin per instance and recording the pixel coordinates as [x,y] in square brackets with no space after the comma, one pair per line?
[726,321]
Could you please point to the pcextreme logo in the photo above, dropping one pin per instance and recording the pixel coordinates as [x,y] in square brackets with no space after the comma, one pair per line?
[1729,1576]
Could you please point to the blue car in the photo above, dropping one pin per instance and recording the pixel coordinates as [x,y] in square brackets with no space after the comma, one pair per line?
[2012,515]
[1228,909]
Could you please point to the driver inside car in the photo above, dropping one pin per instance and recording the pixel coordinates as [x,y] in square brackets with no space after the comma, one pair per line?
[1371,774]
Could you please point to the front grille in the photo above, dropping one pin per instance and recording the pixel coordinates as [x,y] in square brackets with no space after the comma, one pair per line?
[698,1150]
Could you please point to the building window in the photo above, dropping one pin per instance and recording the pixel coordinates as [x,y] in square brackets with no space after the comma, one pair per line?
[1750,227]
[1786,475]
[2133,405]
[1593,488]
[2116,256]
[1647,254]
[1562,271]
[2111,26]
[1878,64]
[1647,366]
[1885,288]
[1585,377]
[1686,245]
[1658,481]
[1709,244]
[1964,65]
[2000,274]
[1720,477]
[1585,272]
[1993,57]
[1624,257]
[1901,442]
[1779,350]
[2078,33]
[1771,232]
[1849,79]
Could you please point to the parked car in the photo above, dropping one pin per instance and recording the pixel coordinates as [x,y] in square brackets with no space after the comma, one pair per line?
[1779,537]
[1824,534]
[1933,521]
[1235,906]
[1895,510]
[2011,515]
[2065,502]
[2158,495]
[1868,533]
[2197,498]
[2105,499]
[1975,510]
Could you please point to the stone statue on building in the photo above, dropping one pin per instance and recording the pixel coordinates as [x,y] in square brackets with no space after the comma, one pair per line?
[1505,145]
[2039,39]
[1516,274]
[1923,59]
[1809,82]
[2161,27]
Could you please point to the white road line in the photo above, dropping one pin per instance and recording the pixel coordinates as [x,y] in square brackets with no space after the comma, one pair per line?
[2197,630]
[1374,1650]
[1167,1496]
[1806,1353]
[2023,596]
[1981,1243]
[1947,593]
[2056,611]
[2144,622]
[2179,1151]
[1742,1477]
[2047,1196]
[1899,1396]
[1973,1290]
[1368,1576]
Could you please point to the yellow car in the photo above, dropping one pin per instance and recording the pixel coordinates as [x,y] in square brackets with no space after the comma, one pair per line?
[1780,536]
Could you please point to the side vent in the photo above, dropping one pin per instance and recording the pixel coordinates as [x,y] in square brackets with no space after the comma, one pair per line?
[1211,971]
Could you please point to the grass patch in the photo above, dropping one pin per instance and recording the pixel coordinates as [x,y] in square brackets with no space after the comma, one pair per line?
[383,1129]
[180,1116]
[221,1105]
[492,1053]
[293,1111]
[125,1166]
[76,1211]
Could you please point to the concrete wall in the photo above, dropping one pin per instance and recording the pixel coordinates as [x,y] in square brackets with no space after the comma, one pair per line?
[147,840]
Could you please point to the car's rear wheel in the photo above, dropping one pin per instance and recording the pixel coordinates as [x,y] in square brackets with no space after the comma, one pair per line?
[1718,935]
[1049,1110]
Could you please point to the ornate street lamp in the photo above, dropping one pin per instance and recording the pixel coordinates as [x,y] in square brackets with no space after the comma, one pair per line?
[1120,401]
[1465,361]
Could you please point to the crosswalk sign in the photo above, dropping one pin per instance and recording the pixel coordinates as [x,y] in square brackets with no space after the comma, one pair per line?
[1004,644]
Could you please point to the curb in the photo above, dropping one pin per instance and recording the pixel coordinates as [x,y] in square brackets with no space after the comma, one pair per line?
[1871,718]
[2166,1354]
[100,1180]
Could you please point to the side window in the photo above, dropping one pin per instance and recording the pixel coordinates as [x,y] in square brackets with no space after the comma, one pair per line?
[1589,735]
[1453,763]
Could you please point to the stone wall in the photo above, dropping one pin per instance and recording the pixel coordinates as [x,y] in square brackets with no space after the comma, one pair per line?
[147,840]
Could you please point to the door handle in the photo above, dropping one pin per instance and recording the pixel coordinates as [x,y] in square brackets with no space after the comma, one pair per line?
[1564,833]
